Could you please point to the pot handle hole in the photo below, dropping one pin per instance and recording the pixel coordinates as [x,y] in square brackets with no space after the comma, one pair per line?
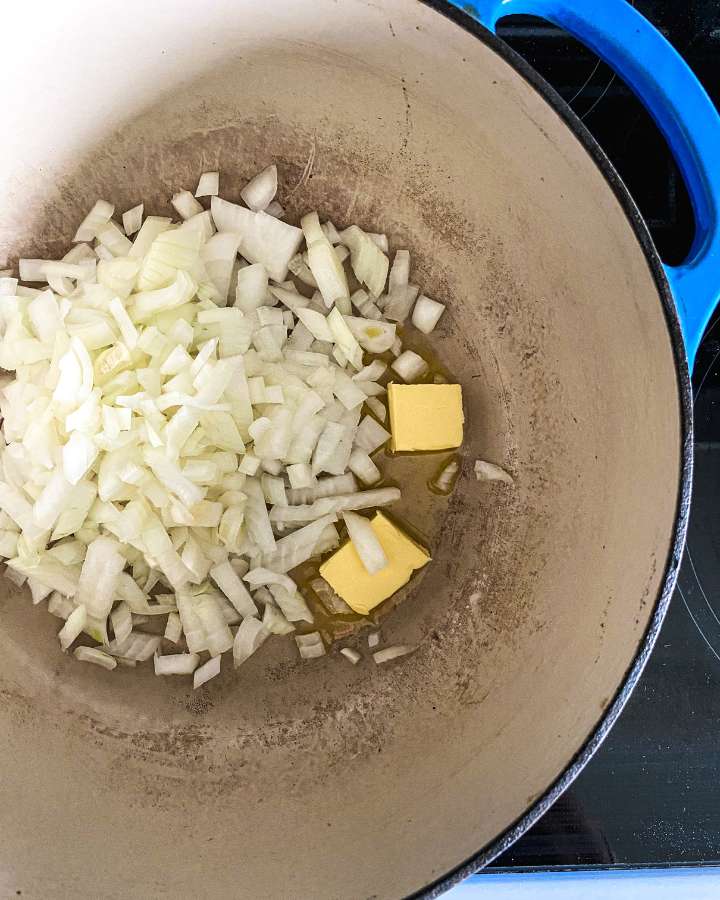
[683,112]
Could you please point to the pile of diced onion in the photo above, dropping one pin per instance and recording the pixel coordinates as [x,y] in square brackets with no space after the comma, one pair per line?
[193,408]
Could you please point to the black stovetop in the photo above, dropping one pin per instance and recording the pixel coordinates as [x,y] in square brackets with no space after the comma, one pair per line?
[651,795]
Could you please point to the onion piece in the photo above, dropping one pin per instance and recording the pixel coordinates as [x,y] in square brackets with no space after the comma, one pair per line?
[365,542]
[352,655]
[311,645]
[383,656]
[485,471]
[233,588]
[210,670]
[99,215]
[426,313]
[73,627]
[121,619]
[99,575]
[185,204]
[132,219]
[371,435]
[373,640]
[95,656]
[410,366]
[259,192]
[369,263]
[377,408]
[263,239]
[208,184]
[250,635]
[361,465]
[176,664]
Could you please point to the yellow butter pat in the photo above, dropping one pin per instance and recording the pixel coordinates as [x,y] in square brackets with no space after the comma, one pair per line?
[349,578]
[425,416]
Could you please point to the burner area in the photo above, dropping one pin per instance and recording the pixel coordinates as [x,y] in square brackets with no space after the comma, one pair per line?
[651,795]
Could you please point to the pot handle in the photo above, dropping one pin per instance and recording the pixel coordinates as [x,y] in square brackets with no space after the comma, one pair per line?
[682,110]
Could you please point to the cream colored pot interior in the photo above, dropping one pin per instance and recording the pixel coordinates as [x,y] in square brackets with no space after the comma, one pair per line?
[293,779]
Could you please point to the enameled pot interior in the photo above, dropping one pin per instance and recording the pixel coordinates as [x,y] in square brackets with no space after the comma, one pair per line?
[319,779]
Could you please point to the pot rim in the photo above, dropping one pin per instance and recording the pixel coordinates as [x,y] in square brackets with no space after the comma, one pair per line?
[503,841]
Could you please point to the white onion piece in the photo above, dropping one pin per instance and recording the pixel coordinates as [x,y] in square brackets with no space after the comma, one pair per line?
[361,465]
[95,656]
[132,219]
[383,656]
[444,481]
[377,408]
[121,619]
[210,670]
[371,435]
[426,313]
[368,261]
[301,545]
[263,239]
[275,622]
[329,505]
[99,215]
[372,335]
[410,366]
[250,635]
[73,627]
[316,323]
[259,192]
[485,471]
[99,575]
[373,640]
[232,586]
[365,542]
[176,664]
[352,655]
[311,645]
[185,204]
[208,185]
[325,487]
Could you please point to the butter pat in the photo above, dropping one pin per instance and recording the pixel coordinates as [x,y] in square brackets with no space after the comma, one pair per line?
[425,416]
[349,578]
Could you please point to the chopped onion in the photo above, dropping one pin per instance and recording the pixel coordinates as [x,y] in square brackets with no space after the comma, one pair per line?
[369,263]
[263,239]
[365,542]
[351,655]
[377,408]
[95,656]
[445,480]
[99,215]
[208,185]
[177,664]
[73,627]
[409,366]
[426,313]
[206,672]
[371,435]
[383,656]
[132,219]
[361,465]
[259,192]
[149,426]
[185,204]
[311,645]
[485,471]
[373,640]
[250,635]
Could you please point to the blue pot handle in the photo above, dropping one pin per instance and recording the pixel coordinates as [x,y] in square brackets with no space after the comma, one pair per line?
[682,110]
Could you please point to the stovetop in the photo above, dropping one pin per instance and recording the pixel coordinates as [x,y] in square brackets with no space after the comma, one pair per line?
[651,795]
